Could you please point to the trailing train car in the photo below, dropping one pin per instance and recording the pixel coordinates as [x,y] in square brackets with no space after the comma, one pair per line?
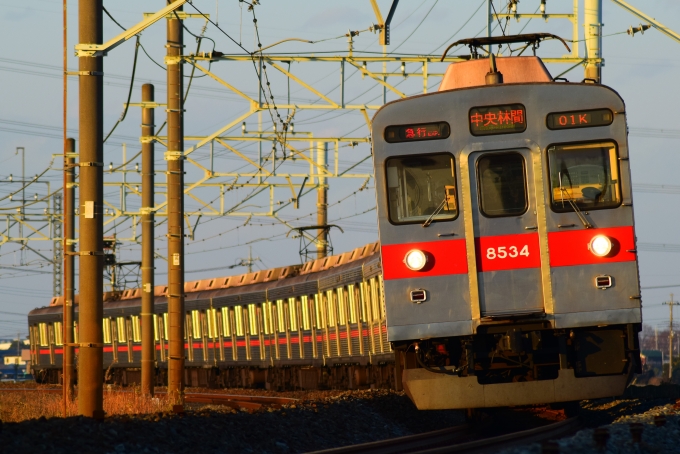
[507,237]
[318,325]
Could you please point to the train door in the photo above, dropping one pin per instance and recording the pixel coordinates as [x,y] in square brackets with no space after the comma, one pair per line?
[505,230]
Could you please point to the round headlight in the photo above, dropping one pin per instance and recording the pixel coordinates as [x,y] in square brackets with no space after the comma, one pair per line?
[415,260]
[600,245]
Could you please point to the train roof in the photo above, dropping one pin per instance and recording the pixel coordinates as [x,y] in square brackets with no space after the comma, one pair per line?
[277,283]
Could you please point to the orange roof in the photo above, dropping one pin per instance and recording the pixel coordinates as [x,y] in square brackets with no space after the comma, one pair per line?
[515,70]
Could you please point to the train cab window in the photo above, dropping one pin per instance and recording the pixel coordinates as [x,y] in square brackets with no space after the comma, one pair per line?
[502,184]
[585,175]
[421,188]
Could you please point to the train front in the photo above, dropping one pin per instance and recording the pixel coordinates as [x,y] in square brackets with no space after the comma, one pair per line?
[508,246]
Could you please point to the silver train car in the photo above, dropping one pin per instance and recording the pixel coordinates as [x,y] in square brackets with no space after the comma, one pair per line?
[319,325]
[507,238]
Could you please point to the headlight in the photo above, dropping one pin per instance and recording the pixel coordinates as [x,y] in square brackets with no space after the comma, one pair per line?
[600,245]
[415,260]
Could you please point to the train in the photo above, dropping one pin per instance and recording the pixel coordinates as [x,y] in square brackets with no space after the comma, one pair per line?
[507,234]
[317,325]
[505,274]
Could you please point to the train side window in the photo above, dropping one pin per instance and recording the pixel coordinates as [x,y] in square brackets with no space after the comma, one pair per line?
[318,308]
[331,305]
[586,174]
[211,314]
[43,335]
[106,327]
[238,315]
[502,184]
[306,314]
[196,324]
[165,325]
[136,328]
[122,331]
[58,333]
[293,313]
[280,316]
[253,324]
[226,325]
[421,187]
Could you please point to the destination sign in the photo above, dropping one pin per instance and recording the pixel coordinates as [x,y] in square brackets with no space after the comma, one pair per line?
[506,119]
[411,133]
[580,119]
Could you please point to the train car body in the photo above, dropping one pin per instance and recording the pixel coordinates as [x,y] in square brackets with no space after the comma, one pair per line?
[321,325]
[507,238]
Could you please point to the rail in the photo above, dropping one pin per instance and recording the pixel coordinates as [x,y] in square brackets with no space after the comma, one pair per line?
[448,441]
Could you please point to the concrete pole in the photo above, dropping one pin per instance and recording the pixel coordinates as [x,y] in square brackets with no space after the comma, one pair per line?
[90,369]
[322,200]
[68,276]
[670,303]
[593,37]
[148,345]
[175,179]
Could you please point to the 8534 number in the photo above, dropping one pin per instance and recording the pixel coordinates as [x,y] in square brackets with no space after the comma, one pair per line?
[502,252]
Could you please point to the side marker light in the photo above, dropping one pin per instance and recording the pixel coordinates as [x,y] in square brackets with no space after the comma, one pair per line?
[600,245]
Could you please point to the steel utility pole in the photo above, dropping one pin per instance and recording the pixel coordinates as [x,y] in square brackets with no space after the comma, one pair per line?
[68,206]
[592,15]
[91,96]
[322,201]
[148,346]
[175,180]
[670,304]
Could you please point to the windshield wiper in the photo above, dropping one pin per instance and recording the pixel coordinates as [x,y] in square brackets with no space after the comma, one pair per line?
[578,212]
[429,220]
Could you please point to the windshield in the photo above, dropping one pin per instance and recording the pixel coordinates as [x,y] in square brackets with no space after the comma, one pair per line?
[586,173]
[420,187]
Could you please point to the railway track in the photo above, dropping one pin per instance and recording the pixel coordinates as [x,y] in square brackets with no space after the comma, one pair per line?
[451,441]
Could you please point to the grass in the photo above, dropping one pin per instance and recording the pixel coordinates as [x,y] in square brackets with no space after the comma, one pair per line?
[22,405]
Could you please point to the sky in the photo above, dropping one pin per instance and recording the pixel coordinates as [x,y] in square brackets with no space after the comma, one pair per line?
[643,69]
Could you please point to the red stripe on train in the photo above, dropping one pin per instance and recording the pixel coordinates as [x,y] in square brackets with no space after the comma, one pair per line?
[507,252]
[570,248]
[444,257]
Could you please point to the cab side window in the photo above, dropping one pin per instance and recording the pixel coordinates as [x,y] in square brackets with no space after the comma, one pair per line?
[585,175]
[421,187]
